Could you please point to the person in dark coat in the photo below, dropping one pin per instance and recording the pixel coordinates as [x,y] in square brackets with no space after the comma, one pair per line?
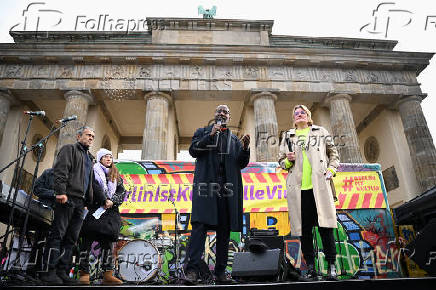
[73,175]
[44,188]
[108,196]
[217,198]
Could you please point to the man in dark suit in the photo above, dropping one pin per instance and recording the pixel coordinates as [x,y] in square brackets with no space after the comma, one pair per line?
[217,199]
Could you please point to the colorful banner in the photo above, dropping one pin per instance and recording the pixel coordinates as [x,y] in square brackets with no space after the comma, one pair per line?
[359,190]
[262,192]
[365,240]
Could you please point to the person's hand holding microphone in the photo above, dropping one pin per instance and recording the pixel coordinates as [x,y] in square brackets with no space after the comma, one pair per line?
[291,156]
[217,126]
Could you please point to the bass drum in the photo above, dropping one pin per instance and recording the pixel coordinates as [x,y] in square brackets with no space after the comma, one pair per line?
[138,261]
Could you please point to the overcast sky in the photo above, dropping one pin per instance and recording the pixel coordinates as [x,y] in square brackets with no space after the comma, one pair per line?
[411,23]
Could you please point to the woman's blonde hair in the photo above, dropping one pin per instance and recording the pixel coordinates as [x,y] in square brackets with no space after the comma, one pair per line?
[304,108]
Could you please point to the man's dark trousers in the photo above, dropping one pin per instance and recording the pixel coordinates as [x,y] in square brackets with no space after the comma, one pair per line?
[64,232]
[198,238]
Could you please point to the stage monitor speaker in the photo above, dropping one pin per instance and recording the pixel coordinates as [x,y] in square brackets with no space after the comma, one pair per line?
[264,266]
[270,242]
[269,237]
[423,249]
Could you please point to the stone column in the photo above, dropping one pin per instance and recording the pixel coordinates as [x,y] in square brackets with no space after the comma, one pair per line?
[77,104]
[5,105]
[343,127]
[266,139]
[421,146]
[10,137]
[155,137]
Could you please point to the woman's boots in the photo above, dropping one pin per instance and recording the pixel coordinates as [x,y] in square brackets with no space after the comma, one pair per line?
[83,278]
[109,279]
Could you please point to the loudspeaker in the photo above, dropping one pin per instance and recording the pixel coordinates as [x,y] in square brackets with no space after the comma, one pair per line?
[254,232]
[265,266]
[271,242]
[270,237]
[423,249]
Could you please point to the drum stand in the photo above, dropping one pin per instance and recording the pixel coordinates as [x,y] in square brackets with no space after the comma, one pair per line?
[179,273]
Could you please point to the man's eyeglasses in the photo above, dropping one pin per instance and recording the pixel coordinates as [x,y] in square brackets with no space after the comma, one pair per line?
[223,111]
[297,113]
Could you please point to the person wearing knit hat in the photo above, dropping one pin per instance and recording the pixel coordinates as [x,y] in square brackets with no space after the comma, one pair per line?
[102,152]
[109,194]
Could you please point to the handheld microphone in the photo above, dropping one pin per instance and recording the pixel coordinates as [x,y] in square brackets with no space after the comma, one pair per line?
[34,113]
[64,120]
[219,122]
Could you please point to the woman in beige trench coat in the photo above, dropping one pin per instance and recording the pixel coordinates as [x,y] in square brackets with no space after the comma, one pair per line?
[310,156]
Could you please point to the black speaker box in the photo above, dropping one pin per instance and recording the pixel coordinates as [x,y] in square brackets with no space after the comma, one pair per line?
[254,232]
[258,266]
[271,241]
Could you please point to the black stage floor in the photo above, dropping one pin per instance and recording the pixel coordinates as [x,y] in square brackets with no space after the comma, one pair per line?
[375,284]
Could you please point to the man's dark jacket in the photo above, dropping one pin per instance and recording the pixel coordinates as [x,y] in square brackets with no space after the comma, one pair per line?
[44,188]
[69,172]
[204,201]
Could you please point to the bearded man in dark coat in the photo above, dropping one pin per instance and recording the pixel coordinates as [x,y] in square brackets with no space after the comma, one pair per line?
[217,198]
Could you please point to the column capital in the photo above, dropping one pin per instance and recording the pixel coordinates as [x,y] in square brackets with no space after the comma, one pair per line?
[77,93]
[335,96]
[263,94]
[409,98]
[158,95]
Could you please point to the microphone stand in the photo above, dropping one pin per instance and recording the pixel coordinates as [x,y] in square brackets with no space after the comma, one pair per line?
[176,233]
[27,203]
[16,182]
[176,254]
[39,144]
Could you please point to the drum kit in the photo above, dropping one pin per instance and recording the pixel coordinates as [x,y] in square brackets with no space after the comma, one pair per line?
[140,261]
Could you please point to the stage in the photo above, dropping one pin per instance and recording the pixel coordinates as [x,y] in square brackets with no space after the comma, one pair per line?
[373,284]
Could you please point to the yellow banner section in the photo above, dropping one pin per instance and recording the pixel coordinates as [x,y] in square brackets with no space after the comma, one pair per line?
[359,190]
[262,192]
